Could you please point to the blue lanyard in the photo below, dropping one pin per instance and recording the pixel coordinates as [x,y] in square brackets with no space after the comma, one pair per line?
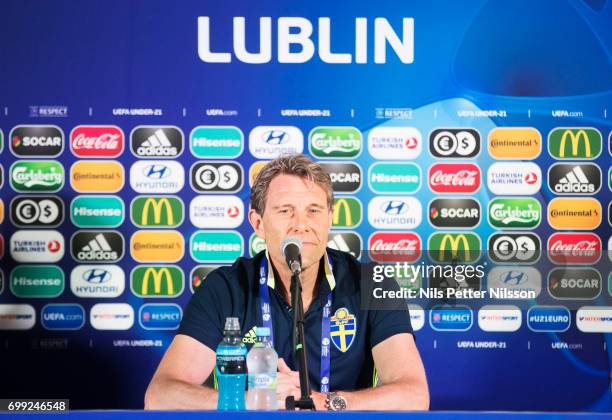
[266,315]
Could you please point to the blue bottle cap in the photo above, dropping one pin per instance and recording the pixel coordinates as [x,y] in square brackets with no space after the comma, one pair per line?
[262,332]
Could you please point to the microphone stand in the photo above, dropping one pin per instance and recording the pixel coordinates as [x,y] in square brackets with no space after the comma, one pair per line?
[299,347]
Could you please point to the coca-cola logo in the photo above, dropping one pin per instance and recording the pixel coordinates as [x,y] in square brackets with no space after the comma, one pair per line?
[574,248]
[394,246]
[460,178]
[97,141]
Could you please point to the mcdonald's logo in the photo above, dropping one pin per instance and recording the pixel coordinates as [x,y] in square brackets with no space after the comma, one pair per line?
[347,213]
[157,281]
[574,143]
[157,211]
[454,247]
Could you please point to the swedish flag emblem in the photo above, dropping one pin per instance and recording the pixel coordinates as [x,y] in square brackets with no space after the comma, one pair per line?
[343,326]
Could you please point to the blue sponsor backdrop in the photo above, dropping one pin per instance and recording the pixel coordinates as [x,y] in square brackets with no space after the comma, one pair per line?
[90,58]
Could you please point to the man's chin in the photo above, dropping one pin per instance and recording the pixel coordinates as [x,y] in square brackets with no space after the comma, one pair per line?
[312,259]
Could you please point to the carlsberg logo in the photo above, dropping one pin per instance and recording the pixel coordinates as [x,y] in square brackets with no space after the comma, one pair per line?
[515,213]
[335,142]
[37,176]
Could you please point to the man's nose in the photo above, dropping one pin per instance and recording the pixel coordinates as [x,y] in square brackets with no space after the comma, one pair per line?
[300,223]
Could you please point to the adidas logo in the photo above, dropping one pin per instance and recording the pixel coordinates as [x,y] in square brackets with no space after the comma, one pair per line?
[338,243]
[575,181]
[98,249]
[250,337]
[157,144]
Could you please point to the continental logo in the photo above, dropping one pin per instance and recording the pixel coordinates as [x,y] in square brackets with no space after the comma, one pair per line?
[574,213]
[347,213]
[157,246]
[157,281]
[97,176]
[157,211]
[574,143]
[515,143]
[451,247]
[254,171]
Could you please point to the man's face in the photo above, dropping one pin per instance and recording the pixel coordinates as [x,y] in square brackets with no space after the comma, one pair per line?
[294,207]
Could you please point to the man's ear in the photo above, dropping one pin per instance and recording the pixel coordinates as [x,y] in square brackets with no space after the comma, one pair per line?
[256,222]
[331,217]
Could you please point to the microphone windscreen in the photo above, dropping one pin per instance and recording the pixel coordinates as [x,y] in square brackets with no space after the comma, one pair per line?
[291,240]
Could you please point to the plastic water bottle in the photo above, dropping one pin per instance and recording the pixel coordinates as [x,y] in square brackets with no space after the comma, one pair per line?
[231,367]
[262,362]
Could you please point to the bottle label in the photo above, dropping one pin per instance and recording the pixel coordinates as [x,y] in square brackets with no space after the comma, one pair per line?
[262,381]
[231,364]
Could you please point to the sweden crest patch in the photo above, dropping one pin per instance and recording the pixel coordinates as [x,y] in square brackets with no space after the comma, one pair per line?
[343,327]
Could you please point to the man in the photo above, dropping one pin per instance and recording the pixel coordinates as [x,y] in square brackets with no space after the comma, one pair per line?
[292,196]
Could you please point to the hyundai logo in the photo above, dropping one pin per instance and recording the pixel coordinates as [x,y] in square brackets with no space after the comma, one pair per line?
[275,137]
[156,171]
[96,276]
[514,277]
[394,207]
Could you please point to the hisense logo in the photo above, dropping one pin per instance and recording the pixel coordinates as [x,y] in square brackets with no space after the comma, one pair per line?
[295,42]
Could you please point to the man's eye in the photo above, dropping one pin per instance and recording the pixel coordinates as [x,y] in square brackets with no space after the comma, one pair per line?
[315,211]
[284,211]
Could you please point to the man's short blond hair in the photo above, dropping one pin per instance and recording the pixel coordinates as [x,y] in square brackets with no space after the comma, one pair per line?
[298,165]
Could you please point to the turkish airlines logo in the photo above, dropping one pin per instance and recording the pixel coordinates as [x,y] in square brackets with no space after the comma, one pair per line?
[394,142]
[574,248]
[97,141]
[222,211]
[454,143]
[36,246]
[394,246]
[514,178]
[454,178]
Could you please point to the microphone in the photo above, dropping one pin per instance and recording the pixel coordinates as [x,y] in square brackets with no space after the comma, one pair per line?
[291,247]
